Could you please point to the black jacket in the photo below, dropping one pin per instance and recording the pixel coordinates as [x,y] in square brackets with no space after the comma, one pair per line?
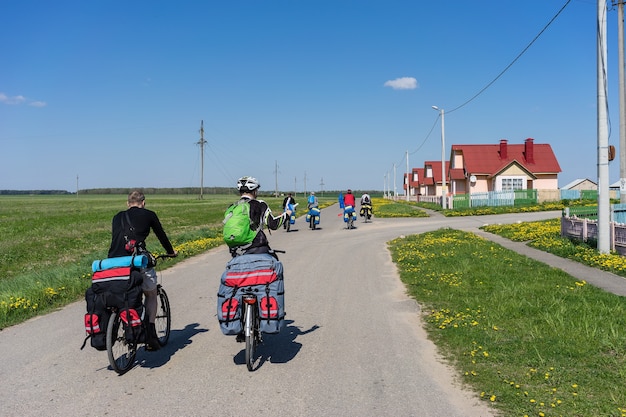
[142,220]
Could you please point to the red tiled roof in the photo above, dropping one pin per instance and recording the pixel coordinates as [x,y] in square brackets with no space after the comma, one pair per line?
[420,177]
[436,170]
[457,174]
[486,159]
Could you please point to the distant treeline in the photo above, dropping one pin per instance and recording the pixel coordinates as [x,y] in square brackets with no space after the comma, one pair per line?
[171,191]
[153,191]
[32,192]
[213,190]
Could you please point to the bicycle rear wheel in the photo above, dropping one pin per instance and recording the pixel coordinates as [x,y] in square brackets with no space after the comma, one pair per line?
[163,322]
[249,332]
[121,352]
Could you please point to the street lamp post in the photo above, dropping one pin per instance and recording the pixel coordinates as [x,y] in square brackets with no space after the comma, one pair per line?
[443,158]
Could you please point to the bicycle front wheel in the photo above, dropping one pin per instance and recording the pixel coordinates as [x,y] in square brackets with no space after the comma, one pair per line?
[249,319]
[163,322]
[121,352]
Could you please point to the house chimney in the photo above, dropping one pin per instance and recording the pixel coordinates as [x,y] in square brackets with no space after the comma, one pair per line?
[529,151]
[503,151]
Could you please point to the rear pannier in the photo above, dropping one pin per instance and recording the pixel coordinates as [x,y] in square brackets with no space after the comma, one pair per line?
[261,274]
[113,286]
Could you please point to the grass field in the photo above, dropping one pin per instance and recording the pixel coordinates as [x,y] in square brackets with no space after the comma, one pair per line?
[527,338]
[48,243]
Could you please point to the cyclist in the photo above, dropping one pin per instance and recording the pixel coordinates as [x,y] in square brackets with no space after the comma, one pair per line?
[312,201]
[129,231]
[348,199]
[366,203]
[260,215]
[288,200]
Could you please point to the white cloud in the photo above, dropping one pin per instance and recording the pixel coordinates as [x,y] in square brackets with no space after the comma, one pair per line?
[16,100]
[403,83]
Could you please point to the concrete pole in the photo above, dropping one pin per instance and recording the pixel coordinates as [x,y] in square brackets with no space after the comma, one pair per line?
[395,187]
[408,177]
[201,142]
[443,163]
[603,134]
[622,103]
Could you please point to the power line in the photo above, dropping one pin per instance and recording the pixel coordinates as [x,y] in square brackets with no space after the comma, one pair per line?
[515,60]
[497,77]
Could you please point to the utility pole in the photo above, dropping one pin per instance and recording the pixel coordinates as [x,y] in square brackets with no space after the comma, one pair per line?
[386,191]
[276,177]
[395,189]
[385,186]
[321,187]
[408,177]
[305,183]
[603,134]
[622,102]
[201,142]
[295,182]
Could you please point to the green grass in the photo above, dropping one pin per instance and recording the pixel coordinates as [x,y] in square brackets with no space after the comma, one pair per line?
[545,235]
[388,208]
[527,337]
[48,243]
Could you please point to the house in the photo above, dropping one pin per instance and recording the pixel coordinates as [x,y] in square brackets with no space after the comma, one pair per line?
[415,182]
[502,167]
[431,181]
[582,184]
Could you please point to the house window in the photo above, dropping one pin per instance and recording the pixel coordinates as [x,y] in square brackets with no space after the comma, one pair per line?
[511,183]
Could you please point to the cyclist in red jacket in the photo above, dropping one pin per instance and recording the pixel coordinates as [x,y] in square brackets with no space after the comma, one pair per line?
[348,199]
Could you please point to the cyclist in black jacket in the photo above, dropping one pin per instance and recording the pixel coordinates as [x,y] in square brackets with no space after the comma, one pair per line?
[134,224]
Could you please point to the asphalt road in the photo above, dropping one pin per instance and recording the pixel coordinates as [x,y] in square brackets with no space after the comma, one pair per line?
[353,344]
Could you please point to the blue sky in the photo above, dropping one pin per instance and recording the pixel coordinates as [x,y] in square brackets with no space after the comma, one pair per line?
[330,91]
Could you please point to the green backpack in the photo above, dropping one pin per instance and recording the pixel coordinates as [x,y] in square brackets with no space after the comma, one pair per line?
[237,228]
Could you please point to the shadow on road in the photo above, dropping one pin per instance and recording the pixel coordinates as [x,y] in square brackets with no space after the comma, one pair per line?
[277,348]
[179,339]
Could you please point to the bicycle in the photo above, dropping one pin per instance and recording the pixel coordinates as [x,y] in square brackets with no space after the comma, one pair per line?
[252,334]
[349,215]
[313,217]
[366,212]
[256,300]
[122,339]
[291,219]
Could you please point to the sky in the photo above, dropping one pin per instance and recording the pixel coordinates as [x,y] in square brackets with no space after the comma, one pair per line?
[303,95]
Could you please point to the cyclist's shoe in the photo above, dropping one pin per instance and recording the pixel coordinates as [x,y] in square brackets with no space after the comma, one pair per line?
[152,340]
[241,337]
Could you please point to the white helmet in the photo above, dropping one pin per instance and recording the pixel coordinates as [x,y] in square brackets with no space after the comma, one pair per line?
[245,184]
